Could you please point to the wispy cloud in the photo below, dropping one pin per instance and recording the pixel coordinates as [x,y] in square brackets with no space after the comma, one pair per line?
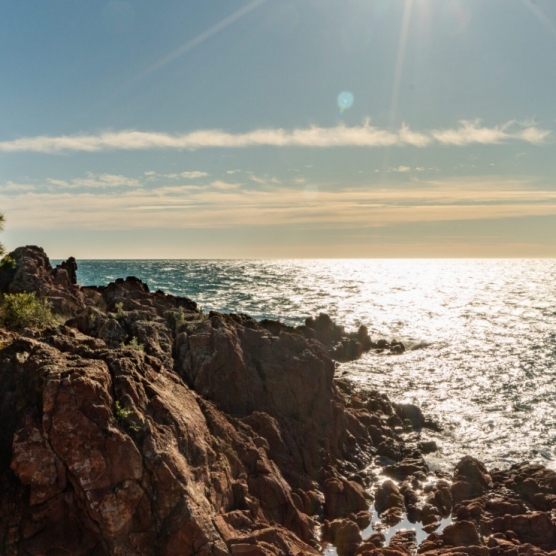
[473,133]
[93,181]
[365,135]
[226,205]
[153,176]
[225,186]
[264,180]
[17,187]
[193,175]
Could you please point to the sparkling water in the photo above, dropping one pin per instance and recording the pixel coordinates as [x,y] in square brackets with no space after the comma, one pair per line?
[481,334]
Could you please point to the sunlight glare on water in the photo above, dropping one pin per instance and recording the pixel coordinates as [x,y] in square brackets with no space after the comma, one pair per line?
[481,334]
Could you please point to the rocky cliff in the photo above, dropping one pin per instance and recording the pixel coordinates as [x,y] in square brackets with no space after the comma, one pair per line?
[140,426]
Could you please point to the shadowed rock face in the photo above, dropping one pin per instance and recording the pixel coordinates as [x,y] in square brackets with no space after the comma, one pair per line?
[142,427]
[150,479]
[243,368]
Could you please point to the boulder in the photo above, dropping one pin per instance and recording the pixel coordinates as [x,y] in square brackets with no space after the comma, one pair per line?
[343,498]
[115,444]
[347,537]
[388,496]
[412,413]
[461,533]
[470,480]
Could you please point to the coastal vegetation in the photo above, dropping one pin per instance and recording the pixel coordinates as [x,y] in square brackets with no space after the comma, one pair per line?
[2,222]
[134,343]
[25,310]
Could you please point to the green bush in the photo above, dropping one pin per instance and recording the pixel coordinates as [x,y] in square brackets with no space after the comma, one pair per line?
[25,310]
[134,343]
[120,310]
[123,417]
[8,263]
[122,414]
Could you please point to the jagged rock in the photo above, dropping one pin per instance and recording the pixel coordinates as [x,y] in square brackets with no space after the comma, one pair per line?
[443,497]
[129,476]
[536,528]
[427,447]
[231,360]
[430,516]
[343,497]
[391,449]
[70,267]
[411,412]
[409,466]
[107,438]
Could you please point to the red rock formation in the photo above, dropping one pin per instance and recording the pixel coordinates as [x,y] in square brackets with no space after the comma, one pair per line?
[106,450]
[143,427]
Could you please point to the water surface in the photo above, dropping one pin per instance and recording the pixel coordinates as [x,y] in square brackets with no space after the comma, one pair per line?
[481,334]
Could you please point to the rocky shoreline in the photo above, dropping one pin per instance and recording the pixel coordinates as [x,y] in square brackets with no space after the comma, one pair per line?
[141,426]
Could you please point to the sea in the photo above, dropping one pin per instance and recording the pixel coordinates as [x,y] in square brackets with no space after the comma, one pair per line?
[480,334]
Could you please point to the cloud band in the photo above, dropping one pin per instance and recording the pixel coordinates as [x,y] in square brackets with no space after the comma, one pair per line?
[467,133]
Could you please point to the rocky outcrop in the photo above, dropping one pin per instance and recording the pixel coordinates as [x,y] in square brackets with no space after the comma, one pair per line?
[143,427]
[28,269]
[344,346]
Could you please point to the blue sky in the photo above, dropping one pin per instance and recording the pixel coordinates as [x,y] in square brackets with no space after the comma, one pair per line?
[213,129]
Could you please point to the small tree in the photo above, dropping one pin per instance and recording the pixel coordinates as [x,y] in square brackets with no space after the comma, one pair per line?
[2,222]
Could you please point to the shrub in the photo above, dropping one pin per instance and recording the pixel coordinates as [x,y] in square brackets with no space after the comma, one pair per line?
[121,414]
[134,343]
[123,417]
[176,319]
[119,310]
[202,314]
[8,263]
[25,310]
[8,268]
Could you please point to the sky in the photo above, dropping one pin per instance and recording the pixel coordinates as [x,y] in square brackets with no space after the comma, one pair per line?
[279,128]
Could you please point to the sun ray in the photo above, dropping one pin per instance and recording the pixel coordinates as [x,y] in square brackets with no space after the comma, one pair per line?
[400,60]
[398,74]
[196,41]
[537,12]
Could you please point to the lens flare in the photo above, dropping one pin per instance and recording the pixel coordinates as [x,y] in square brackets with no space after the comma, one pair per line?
[345,101]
